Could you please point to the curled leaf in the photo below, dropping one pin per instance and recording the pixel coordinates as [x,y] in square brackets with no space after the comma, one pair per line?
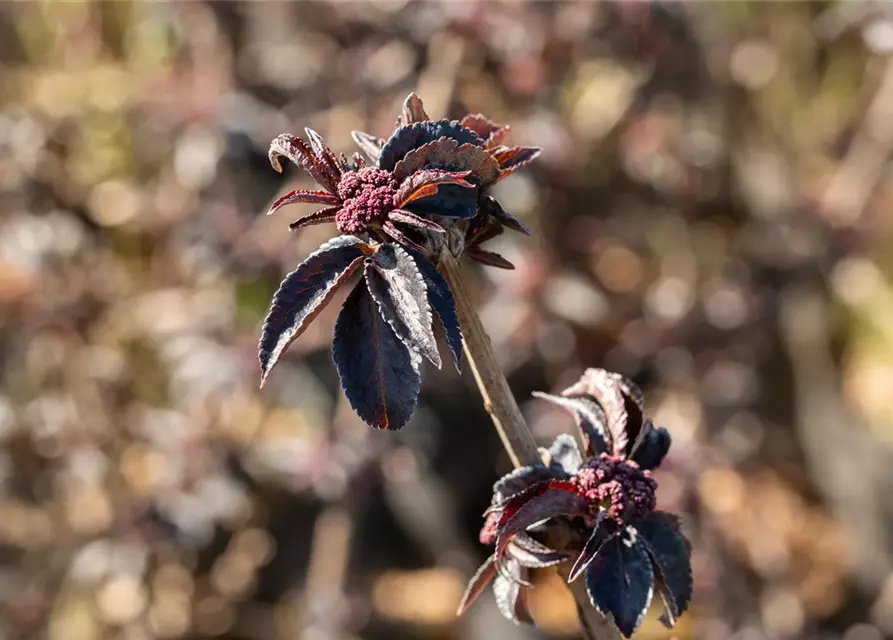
[303,196]
[565,452]
[447,152]
[491,133]
[652,446]
[605,388]
[510,159]
[296,150]
[589,417]
[379,375]
[324,154]
[304,293]
[318,217]
[479,581]
[507,588]
[441,300]
[488,258]
[489,206]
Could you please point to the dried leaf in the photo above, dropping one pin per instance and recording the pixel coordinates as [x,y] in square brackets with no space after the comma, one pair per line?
[378,374]
[425,183]
[413,136]
[304,196]
[670,552]
[399,290]
[620,582]
[304,293]
[296,150]
[368,144]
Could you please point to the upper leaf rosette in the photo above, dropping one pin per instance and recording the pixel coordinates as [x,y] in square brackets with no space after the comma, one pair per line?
[627,549]
[428,178]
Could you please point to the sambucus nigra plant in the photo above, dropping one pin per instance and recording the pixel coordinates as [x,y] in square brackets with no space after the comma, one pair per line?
[422,200]
[608,498]
[427,188]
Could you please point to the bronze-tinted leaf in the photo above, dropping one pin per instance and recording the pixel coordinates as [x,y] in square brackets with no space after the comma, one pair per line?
[447,152]
[604,387]
[378,374]
[296,150]
[324,154]
[368,144]
[413,111]
[303,294]
[397,287]
[413,220]
[488,258]
[318,217]
[425,183]
[510,159]
[491,133]
[302,196]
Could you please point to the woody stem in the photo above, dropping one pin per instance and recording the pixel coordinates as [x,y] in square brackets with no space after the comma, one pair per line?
[516,436]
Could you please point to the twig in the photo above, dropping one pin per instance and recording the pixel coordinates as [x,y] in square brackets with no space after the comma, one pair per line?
[516,437]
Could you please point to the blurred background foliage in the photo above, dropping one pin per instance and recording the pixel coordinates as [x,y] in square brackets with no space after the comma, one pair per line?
[712,211]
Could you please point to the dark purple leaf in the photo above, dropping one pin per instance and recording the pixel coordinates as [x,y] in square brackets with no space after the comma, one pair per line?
[296,150]
[304,293]
[303,196]
[508,589]
[441,300]
[413,220]
[519,480]
[450,201]
[317,217]
[415,135]
[368,144]
[604,530]
[589,417]
[479,581]
[413,110]
[620,581]
[489,206]
[379,375]
[565,453]
[394,232]
[652,446]
[425,183]
[399,290]
[324,154]
[605,388]
[671,554]
[559,499]
[488,258]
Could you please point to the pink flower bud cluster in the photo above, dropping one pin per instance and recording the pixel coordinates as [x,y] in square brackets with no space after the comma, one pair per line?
[367,196]
[618,485]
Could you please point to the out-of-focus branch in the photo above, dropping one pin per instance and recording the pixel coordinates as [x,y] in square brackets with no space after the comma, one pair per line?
[513,430]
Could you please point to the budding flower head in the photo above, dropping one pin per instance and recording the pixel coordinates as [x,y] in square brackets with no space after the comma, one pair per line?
[367,198]
[617,485]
